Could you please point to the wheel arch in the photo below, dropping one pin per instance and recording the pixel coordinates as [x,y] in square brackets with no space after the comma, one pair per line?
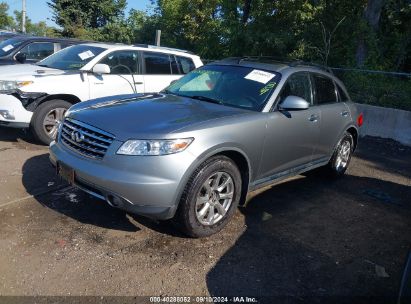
[73,99]
[235,154]
[354,133]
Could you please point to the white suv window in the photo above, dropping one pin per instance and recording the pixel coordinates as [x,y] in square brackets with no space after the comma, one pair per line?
[122,62]
[157,63]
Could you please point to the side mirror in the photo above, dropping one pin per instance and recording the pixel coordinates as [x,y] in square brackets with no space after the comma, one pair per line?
[21,57]
[294,103]
[101,69]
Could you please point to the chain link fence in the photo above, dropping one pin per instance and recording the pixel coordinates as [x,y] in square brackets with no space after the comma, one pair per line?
[378,88]
[384,89]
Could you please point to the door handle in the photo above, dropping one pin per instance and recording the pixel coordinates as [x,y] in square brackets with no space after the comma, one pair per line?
[313,118]
[345,113]
[138,82]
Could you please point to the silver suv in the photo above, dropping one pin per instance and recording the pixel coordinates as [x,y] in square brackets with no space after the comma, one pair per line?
[194,151]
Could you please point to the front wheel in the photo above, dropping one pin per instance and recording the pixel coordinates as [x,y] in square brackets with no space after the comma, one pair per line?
[342,156]
[46,118]
[210,198]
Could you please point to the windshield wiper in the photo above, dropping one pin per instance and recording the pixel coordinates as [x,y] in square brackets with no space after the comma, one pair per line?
[43,65]
[207,99]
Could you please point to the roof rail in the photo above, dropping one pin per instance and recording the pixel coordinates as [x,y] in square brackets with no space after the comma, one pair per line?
[273,59]
[149,46]
[317,65]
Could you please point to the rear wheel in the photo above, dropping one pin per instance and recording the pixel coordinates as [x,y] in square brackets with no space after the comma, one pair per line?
[46,119]
[210,198]
[342,156]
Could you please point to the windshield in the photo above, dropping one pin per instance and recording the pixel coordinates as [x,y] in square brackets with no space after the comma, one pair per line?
[71,58]
[235,86]
[9,45]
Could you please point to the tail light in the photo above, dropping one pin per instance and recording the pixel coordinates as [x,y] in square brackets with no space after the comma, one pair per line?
[360,120]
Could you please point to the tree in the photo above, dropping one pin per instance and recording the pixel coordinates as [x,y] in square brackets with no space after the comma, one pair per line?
[75,16]
[6,21]
[372,13]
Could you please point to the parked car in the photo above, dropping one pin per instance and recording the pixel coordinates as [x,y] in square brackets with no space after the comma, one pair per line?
[7,35]
[37,95]
[193,151]
[26,49]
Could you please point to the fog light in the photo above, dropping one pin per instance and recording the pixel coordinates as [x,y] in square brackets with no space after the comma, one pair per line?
[7,114]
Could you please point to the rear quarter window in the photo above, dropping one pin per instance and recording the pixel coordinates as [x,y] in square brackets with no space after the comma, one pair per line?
[185,64]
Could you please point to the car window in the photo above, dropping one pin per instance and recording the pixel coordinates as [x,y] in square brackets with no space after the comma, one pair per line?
[122,62]
[235,86]
[72,58]
[341,93]
[157,63]
[38,50]
[10,45]
[324,90]
[297,84]
[185,64]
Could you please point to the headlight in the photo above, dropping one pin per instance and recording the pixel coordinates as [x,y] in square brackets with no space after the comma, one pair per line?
[154,147]
[6,85]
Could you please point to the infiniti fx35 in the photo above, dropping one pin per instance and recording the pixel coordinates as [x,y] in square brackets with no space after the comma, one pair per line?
[194,151]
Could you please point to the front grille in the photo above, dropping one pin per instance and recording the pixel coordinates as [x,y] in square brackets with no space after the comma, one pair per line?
[85,139]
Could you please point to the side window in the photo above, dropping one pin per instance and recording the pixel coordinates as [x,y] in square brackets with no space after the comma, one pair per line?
[122,62]
[185,64]
[341,93]
[157,63]
[324,90]
[38,50]
[297,84]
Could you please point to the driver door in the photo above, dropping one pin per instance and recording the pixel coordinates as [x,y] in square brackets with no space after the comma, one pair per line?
[292,136]
[124,77]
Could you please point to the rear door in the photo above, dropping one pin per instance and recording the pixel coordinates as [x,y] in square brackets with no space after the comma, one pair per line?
[334,114]
[291,135]
[160,69]
[124,78]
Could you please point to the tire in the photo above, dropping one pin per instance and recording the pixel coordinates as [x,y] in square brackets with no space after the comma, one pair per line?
[190,216]
[43,111]
[340,160]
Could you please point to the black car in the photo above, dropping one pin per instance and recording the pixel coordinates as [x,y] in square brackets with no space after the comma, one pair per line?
[27,49]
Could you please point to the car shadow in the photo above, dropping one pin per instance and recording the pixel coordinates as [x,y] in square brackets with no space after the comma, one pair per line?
[318,240]
[40,180]
[16,135]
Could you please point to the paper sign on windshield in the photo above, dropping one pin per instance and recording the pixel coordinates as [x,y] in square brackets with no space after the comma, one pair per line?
[7,48]
[259,76]
[86,55]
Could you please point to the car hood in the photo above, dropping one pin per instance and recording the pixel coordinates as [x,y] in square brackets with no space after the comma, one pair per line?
[148,116]
[25,71]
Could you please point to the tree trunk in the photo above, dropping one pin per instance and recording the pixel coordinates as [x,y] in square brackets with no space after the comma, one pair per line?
[372,14]
[246,11]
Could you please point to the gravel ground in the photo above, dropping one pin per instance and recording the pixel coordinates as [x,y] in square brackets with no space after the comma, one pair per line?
[308,237]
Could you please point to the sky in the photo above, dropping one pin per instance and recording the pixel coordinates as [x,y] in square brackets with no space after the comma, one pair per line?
[38,10]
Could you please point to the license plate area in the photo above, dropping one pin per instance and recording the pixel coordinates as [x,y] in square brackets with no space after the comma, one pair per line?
[66,173]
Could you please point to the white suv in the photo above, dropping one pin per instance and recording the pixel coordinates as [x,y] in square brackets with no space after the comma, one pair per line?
[38,95]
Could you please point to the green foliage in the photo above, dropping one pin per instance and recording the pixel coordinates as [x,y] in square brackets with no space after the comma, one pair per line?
[379,90]
[75,16]
[6,21]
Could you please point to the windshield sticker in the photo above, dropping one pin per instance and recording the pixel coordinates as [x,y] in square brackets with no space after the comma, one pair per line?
[267,87]
[259,76]
[7,48]
[86,55]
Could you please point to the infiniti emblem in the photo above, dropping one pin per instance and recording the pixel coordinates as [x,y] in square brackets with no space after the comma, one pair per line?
[77,136]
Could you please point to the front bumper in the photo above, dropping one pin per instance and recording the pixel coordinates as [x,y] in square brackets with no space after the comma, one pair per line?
[146,185]
[12,112]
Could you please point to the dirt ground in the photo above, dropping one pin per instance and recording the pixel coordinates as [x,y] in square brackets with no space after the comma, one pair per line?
[308,237]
